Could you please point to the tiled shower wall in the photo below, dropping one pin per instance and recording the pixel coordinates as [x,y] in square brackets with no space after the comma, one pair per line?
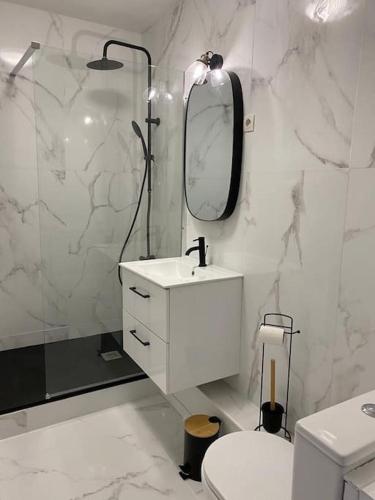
[70,174]
[303,232]
[25,124]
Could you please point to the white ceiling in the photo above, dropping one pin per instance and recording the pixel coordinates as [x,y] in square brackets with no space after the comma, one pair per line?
[132,15]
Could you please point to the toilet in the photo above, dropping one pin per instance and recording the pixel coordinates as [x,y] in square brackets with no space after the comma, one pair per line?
[246,465]
[249,465]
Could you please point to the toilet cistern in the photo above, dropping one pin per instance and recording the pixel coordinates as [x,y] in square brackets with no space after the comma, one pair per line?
[201,247]
[333,458]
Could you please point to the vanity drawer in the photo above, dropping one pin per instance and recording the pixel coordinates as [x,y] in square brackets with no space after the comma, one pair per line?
[147,350]
[147,303]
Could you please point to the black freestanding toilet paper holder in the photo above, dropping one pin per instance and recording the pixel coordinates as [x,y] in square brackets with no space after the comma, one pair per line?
[286,322]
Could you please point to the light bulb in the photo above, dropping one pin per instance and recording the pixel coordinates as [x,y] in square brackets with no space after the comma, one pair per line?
[151,94]
[168,97]
[198,71]
[217,77]
[158,93]
[88,120]
[325,11]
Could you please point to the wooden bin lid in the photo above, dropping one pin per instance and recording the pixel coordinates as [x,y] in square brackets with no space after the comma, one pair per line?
[200,426]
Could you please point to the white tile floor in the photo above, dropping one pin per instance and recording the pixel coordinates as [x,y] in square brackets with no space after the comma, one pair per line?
[127,452]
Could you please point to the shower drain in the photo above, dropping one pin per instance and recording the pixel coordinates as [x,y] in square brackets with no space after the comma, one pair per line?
[110,355]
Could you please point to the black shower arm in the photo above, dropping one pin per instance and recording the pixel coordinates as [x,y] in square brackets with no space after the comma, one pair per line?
[149,77]
[130,46]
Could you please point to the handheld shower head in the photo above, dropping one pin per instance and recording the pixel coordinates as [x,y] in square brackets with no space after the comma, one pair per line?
[137,129]
[139,134]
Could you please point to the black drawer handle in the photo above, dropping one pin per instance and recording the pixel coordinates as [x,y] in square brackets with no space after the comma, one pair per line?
[134,289]
[133,332]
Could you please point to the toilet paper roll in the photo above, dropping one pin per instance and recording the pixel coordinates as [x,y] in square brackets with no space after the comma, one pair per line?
[271,335]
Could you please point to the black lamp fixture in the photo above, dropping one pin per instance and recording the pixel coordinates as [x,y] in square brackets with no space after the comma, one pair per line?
[200,67]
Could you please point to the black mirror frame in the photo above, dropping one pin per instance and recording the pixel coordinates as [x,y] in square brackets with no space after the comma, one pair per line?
[236,150]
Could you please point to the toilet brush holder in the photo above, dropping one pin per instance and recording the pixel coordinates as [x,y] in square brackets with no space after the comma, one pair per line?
[272,418]
[276,420]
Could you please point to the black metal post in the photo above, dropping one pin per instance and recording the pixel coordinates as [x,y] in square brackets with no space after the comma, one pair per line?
[149,121]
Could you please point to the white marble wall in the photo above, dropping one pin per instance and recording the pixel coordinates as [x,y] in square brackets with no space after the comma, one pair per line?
[70,173]
[305,198]
[167,171]
[354,367]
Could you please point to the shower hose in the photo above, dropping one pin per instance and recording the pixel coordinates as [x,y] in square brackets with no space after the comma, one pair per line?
[133,222]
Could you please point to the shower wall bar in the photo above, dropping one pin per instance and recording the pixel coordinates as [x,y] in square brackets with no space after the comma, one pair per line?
[29,52]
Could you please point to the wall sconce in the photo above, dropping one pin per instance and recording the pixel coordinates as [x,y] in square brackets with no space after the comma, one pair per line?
[207,61]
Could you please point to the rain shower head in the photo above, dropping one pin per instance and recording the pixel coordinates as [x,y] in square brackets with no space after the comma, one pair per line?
[139,134]
[104,64]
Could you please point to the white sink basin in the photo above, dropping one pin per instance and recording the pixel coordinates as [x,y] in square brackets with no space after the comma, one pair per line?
[177,271]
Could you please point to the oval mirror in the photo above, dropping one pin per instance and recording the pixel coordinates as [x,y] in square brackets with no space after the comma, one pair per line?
[213,146]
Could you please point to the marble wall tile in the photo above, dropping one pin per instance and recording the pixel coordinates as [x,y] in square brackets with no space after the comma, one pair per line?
[291,264]
[355,336]
[363,143]
[353,360]
[167,172]
[304,86]
[20,270]
[17,125]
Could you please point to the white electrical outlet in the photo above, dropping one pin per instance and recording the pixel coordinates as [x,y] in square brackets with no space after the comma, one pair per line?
[249,123]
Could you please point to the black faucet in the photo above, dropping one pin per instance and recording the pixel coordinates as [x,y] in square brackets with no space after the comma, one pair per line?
[202,251]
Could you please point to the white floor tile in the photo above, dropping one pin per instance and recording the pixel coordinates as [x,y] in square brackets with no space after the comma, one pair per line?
[127,452]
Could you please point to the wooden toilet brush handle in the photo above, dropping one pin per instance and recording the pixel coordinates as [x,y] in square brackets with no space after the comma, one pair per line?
[273,384]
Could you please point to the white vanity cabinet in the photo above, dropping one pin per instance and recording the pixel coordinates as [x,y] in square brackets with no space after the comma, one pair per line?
[182,332]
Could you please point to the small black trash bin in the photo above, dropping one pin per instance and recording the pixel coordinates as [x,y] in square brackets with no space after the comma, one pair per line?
[200,432]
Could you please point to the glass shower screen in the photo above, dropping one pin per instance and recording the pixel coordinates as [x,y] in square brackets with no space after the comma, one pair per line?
[90,170]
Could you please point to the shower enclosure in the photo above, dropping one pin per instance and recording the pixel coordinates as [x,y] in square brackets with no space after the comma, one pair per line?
[90,167]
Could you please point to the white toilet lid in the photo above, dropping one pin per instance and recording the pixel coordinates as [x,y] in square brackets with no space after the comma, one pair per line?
[249,465]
